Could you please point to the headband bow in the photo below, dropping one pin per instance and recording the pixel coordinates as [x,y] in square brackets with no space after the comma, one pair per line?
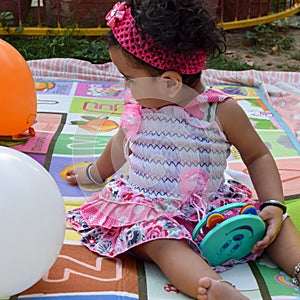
[130,37]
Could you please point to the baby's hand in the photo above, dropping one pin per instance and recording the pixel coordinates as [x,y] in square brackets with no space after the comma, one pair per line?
[272,216]
[77,176]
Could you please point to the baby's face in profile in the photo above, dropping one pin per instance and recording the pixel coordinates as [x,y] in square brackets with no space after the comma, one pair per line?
[149,91]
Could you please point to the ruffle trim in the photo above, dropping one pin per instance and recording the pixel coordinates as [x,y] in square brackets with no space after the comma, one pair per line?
[106,213]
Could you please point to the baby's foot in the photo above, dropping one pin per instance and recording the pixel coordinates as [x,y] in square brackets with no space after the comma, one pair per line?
[211,289]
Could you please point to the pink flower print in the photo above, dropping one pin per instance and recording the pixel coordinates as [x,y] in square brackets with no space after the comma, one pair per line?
[156,231]
[131,119]
[76,225]
[133,237]
[92,241]
[116,13]
[193,181]
[128,197]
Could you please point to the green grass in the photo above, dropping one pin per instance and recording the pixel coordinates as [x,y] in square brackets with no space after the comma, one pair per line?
[268,36]
[296,55]
[90,49]
[68,46]
[224,63]
[94,49]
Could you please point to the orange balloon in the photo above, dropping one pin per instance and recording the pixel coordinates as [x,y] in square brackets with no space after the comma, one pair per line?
[17,92]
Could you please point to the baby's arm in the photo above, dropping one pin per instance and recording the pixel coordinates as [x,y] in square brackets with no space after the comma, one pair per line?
[106,165]
[259,161]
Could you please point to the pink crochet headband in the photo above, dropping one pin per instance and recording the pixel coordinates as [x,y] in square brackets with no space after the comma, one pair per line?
[123,26]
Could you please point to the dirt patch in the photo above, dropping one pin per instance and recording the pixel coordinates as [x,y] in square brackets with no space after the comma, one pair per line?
[274,59]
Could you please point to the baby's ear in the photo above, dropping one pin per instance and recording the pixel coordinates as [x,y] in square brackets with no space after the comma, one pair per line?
[173,83]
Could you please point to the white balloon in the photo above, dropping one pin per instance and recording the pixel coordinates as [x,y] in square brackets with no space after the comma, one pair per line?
[32,221]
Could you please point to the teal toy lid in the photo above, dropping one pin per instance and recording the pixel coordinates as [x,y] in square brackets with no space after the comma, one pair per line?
[233,238]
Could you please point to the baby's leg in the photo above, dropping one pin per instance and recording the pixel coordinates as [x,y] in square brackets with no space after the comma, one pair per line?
[184,268]
[285,250]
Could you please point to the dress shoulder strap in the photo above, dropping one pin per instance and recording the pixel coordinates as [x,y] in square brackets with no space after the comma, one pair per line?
[214,95]
[205,105]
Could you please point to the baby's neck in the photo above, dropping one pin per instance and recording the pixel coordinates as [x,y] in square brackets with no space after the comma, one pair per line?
[183,98]
[198,89]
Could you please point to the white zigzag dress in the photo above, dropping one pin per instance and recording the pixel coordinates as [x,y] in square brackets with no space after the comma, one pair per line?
[176,175]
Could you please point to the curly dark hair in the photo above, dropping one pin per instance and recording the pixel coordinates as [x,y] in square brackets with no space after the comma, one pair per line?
[181,25]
